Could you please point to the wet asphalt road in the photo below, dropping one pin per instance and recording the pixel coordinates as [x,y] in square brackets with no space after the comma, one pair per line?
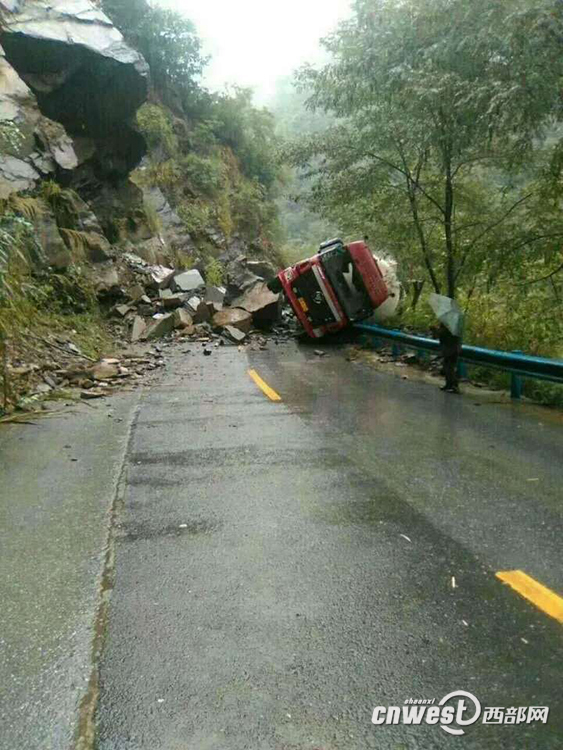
[283,568]
[57,484]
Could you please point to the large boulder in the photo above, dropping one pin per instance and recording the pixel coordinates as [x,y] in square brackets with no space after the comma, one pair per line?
[187,281]
[234,317]
[264,305]
[56,252]
[31,145]
[63,60]
[160,327]
[262,268]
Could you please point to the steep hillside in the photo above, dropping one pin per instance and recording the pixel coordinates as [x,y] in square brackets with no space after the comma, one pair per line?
[109,149]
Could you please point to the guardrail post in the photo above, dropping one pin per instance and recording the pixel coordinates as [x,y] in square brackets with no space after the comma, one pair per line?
[516,382]
[462,372]
[395,351]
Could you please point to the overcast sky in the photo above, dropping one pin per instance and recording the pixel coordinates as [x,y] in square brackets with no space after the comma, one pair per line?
[254,42]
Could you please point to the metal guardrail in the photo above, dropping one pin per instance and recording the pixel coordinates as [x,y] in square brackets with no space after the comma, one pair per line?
[519,365]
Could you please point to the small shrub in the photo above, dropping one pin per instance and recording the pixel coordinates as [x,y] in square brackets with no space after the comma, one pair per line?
[196,216]
[214,273]
[205,175]
[153,219]
[156,125]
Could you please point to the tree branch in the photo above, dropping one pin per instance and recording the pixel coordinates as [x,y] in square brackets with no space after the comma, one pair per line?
[487,230]
[542,278]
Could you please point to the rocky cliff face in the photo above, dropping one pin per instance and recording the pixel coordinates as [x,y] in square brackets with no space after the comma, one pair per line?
[70,91]
[70,88]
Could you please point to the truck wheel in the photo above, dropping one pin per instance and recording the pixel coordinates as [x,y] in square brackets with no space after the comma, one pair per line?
[275,285]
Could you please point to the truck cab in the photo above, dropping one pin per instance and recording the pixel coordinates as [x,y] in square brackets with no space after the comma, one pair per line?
[339,285]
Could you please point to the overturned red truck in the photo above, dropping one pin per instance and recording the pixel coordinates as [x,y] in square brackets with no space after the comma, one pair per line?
[339,285]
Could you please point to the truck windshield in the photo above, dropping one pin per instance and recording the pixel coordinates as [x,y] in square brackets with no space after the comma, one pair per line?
[347,282]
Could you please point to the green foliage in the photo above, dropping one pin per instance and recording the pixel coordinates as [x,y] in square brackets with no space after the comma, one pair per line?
[167,175]
[167,40]
[62,202]
[27,206]
[208,153]
[18,246]
[153,219]
[250,211]
[214,273]
[436,104]
[77,242]
[66,293]
[249,132]
[195,215]
[156,125]
[204,175]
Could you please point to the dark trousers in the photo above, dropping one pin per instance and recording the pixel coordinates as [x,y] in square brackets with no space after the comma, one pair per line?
[450,370]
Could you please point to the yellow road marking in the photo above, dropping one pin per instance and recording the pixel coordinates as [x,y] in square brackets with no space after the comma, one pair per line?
[545,599]
[272,395]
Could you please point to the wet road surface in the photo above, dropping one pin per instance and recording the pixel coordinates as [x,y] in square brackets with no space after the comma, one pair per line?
[281,568]
[57,486]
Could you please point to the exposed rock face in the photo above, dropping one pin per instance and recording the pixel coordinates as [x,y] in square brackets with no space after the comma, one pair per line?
[172,228]
[31,146]
[63,61]
[56,252]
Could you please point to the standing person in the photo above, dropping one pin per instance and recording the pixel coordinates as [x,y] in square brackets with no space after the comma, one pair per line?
[451,349]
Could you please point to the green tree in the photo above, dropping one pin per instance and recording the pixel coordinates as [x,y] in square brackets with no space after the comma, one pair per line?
[167,40]
[435,102]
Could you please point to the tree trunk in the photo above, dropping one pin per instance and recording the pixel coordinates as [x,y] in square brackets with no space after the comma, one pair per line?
[417,287]
[422,239]
[448,228]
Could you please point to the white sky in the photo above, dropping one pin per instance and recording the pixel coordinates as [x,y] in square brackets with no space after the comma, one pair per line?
[254,42]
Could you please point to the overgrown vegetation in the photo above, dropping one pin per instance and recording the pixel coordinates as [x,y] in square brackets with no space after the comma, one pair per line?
[212,155]
[444,144]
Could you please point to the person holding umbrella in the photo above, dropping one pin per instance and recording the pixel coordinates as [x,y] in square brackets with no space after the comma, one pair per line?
[450,332]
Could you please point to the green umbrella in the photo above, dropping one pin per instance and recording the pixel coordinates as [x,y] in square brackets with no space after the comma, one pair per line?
[448,312]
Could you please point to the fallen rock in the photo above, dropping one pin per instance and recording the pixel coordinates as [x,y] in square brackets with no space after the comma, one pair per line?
[105,370]
[182,319]
[160,327]
[187,281]
[261,268]
[188,331]
[122,310]
[136,292]
[202,314]
[138,329]
[264,305]
[192,304]
[171,303]
[215,294]
[161,276]
[234,334]
[239,281]
[93,393]
[235,317]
